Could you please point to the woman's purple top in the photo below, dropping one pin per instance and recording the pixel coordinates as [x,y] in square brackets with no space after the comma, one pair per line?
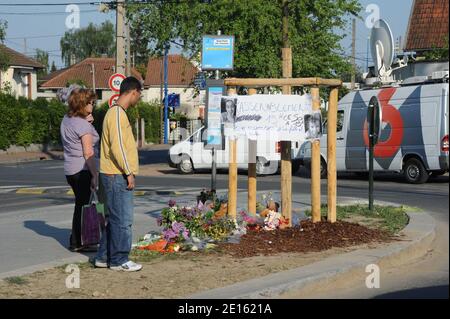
[72,129]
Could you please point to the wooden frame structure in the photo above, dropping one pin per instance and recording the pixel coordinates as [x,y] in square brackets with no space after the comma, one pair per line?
[286,168]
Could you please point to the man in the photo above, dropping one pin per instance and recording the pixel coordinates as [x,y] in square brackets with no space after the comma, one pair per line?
[118,167]
[228,112]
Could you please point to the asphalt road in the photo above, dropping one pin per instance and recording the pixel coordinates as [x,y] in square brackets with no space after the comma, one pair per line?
[432,196]
[428,277]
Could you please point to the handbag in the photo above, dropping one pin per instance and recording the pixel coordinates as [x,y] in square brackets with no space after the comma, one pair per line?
[92,221]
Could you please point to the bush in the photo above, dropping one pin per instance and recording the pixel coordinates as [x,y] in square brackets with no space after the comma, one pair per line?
[25,122]
[150,112]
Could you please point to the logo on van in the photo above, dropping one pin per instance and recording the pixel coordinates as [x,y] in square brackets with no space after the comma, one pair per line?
[391,116]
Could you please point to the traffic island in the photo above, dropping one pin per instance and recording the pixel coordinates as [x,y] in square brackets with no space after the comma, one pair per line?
[230,272]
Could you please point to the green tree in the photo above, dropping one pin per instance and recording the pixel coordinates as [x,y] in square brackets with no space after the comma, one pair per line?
[4,58]
[92,41]
[53,67]
[42,58]
[257,27]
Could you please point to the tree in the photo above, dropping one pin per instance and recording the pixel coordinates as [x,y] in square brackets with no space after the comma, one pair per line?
[42,58]
[257,26]
[92,41]
[53,67]
[4,58]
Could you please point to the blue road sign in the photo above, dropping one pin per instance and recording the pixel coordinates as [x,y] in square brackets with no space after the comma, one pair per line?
[217,52]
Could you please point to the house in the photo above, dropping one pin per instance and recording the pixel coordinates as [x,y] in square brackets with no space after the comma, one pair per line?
[21,76]
[90,71]
[427,26]
[427,32]
[180,77]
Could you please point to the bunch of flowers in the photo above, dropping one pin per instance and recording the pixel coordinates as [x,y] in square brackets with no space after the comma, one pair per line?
[181,223]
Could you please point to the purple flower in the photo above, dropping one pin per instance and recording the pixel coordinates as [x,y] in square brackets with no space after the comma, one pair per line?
[159,221]
[178,227]
[172,203]
[169,234]
[185,234]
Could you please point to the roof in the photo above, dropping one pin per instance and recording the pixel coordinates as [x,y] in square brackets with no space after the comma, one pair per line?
[181,72]
[82,71]
[428,25]
[19,59]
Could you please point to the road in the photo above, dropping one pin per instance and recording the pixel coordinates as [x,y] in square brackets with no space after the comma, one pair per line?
[424,277]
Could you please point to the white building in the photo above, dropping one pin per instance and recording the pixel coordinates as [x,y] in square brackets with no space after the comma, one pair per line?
[20,79]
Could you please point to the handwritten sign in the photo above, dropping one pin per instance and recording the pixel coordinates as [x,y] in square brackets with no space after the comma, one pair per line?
[280,117]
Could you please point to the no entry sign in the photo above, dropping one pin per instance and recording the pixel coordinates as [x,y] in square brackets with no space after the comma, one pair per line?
[115,80]
[113,99]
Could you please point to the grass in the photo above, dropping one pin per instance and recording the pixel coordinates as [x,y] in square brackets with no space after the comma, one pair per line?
[16,281]
[389,218]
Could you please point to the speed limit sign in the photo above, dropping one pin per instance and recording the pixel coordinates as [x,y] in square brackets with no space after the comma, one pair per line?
[115,80]
[113,99]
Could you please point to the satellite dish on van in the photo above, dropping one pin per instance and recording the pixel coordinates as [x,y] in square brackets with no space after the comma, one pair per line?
[382,48]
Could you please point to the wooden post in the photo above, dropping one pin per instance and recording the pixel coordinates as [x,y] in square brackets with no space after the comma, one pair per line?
[232,172]
[315,164]
[143,132]
[252,148]
[286,165]
[331,154]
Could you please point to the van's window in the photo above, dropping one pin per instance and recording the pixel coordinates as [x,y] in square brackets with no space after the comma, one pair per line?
[340,121]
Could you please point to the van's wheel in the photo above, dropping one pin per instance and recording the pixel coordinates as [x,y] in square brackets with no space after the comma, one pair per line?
[185,166]
[415,172]
[323,169]
[263,169]
[295,167]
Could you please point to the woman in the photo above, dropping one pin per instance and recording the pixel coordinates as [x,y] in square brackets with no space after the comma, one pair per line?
[80,142]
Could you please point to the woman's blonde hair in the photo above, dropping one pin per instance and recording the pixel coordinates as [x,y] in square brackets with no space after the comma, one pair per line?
[78,100]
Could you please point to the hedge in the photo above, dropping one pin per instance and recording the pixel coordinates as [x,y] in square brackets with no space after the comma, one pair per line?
[24,122]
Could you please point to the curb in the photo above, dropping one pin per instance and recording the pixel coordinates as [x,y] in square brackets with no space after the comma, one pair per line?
[420,233]
[69,191]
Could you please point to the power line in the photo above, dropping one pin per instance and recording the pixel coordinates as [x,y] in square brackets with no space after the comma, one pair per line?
[36,37]
[44,13]
[48,4]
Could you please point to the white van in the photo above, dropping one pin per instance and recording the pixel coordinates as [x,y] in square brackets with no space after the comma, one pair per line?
[190,155]
[414,137]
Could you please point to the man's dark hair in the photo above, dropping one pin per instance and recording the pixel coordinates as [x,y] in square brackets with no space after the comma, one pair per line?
[130,84]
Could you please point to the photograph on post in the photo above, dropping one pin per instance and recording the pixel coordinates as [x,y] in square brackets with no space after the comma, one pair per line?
[228,110]
[313,125]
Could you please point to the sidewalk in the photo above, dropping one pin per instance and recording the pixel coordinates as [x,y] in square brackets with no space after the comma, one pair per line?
[20,157]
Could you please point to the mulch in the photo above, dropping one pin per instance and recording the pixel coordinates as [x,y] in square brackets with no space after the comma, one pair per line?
[306,237]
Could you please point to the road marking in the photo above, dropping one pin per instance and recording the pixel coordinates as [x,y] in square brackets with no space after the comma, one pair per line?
[30,191]
[53,167]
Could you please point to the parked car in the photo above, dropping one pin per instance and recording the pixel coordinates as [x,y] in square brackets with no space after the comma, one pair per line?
[191,155]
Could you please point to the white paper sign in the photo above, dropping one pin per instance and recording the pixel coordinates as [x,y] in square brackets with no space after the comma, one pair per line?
[279,117]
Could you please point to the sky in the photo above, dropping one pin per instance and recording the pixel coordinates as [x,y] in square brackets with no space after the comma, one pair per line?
[31,27]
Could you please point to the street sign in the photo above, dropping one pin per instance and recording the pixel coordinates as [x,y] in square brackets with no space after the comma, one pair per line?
[113,99]
[200,81]
[374,119]
[174,100]
[115,80]
[214,133]
[217,52]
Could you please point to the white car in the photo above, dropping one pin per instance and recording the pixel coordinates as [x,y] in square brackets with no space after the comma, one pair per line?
[191,155]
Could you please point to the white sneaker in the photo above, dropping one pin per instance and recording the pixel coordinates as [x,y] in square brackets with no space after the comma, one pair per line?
[100,264]
[128,266]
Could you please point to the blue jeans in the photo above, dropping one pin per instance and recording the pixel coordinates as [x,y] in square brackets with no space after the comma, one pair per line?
[116,241]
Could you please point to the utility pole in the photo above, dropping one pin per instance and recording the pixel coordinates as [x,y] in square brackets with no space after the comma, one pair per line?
[286,165]
[93,76]
[166,93]
[367,54]
[353,80]
[25,48]
[120,39]
[128,72]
